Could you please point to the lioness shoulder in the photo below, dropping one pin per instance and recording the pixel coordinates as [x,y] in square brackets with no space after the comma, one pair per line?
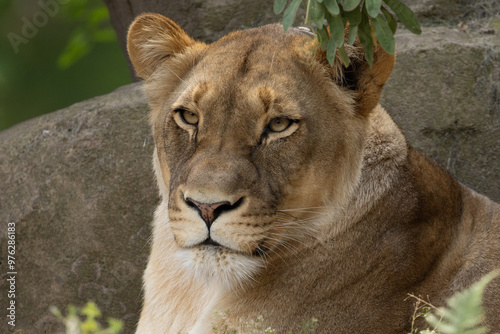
[288,191]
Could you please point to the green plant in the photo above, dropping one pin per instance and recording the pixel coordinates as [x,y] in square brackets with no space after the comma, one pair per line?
[89,325]
[371,20]
[94,27]
[463,314]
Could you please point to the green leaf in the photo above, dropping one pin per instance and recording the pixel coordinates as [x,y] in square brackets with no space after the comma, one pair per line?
[384,34]
[115,325]
[373,7]
[90,326]
[343,56]
[349,5]
[72,311]
[336,29]
[290,14]
[91,310]
[55,311]
[405,14]
[316,13]
[390,20]
[330,51]
[464,312]
[353,31]
[322,38]
[104,35]
[354,16]
[99,15]
[279,5]
[332,7]
[77,47]
[365,37]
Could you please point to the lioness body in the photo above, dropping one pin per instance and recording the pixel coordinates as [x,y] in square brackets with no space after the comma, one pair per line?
[288,192]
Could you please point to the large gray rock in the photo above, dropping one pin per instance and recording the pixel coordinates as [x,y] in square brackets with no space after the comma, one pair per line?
[453,11]
[444,94]
[78,182]
[79,186]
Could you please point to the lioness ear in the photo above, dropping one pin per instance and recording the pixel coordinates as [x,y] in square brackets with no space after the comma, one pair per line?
[151,39]
[366,82]
[370,81]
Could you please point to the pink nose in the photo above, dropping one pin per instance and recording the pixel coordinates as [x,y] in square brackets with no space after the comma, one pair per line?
[209,211]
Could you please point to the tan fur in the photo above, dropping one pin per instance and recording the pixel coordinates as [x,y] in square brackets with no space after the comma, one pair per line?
[336,217]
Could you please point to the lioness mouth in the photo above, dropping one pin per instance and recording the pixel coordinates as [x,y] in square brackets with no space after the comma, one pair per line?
[210,242]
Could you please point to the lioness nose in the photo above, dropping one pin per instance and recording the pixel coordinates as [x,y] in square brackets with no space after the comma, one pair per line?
[210,211]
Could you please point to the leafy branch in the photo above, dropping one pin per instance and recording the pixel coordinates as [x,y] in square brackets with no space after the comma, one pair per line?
[374,21]
[464,313]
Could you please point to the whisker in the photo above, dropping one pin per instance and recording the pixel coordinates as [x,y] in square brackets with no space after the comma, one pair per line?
[300,242]
[277,254]
[285,213]
[149,239]
[307,208]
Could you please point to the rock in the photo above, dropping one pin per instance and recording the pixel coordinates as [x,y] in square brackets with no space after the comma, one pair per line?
[444,94]
[436,9]
[453,11]
[79,187]
[206,20]
[78,183]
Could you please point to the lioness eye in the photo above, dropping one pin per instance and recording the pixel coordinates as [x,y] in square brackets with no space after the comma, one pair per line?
[279,124]
[189,117]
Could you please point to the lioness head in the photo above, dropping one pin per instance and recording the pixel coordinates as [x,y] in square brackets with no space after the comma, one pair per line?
[257,138]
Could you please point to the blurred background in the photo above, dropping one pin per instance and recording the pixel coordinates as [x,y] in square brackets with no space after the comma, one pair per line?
[53,54]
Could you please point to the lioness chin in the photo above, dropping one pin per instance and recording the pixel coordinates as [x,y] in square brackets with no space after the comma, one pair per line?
[287,191]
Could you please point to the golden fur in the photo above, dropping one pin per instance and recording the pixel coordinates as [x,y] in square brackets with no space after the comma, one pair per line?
[333,216]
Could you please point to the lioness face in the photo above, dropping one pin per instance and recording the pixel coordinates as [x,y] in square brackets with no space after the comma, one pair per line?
[254,143]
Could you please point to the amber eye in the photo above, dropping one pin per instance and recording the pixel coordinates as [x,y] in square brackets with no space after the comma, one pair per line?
[189,117]
[279,124]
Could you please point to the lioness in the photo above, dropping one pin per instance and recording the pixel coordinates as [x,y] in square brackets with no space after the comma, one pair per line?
[288,192]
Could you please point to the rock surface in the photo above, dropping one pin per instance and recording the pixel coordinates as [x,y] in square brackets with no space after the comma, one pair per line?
[453,11]
[79,186]
[444,94]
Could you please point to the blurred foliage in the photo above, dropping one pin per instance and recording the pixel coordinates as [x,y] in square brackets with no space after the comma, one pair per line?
[93,27]
[85,320]
[72,57]
[464,313]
